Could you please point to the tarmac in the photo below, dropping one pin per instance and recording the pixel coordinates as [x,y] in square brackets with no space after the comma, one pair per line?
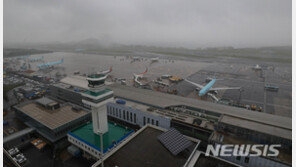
[232,72]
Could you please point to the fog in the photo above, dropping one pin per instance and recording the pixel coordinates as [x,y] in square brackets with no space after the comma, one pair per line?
[173,23]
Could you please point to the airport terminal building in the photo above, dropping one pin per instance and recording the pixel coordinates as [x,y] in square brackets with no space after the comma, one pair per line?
[136,114]
[210,122]
[255,124]
[228,125]
[278,128]
[66,92]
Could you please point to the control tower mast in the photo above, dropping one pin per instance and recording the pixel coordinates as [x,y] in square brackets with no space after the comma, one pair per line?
[96,97]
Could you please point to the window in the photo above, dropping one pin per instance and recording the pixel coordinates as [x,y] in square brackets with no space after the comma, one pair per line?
[148,120]
[113,111]
[152,120]
[116,112]
[238,158]
[156,123]
[123,114]
[135,118]
[131,117]
[127,115]
[119,113]
[144,121]
[247,159]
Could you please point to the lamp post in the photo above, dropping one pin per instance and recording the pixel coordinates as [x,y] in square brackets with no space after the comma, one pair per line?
[102,149]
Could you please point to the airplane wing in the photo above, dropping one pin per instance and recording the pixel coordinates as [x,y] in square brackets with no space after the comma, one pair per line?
[197,85]
[213,96]
[230,88]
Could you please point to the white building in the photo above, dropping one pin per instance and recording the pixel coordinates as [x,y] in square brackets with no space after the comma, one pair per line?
[136,114]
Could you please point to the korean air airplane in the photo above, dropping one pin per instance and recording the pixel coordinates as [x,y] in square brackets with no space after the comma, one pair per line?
[51,64]
[208,88]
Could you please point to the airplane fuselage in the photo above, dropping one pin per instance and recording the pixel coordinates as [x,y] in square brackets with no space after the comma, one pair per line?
[46,65]
[36,59]
[206,88]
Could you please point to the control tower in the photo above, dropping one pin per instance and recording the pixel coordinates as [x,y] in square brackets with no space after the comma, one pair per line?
[96,98]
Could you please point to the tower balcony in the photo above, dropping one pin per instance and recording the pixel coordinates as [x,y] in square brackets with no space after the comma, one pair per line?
[96,80]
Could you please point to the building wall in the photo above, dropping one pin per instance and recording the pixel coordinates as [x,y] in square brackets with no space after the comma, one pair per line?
[191,130]
[254,136]
[41,129]
[84,146]
[66,95]
[254,161]
[93,150]
[136,117]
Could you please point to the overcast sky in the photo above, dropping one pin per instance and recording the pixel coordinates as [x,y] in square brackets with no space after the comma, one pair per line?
[183,23]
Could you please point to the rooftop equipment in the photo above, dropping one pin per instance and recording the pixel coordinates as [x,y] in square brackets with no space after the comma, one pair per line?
[48,103]
[13,151]
[272,88]
[74,151]
[120,101]
[174,141]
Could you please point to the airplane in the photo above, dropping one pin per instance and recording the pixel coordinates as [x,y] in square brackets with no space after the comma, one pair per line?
[51,64]
[257,67]
[21,57]
[105,72]
[36,59]
[137,76]
[161,83]
[207,89]
[154,59]
[136,58]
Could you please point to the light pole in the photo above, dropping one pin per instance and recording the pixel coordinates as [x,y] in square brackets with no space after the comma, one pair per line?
[102,151]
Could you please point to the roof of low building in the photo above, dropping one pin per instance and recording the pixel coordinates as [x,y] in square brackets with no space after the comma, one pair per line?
[51,118]
[145,150]
[78,81]
[115,134]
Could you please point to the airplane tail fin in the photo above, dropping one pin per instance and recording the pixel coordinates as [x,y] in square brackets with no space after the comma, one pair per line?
[144,72]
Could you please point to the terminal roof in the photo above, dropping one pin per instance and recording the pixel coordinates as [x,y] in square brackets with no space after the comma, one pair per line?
[255,126]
